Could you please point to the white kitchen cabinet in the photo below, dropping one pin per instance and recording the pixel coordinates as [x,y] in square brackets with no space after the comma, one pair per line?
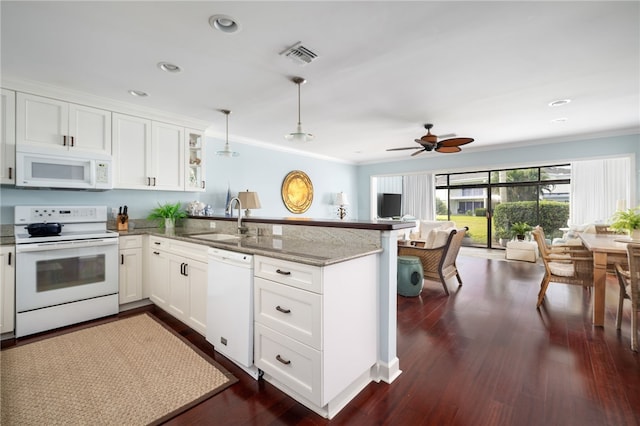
[195,169]
[130,274]
[148,154]
[315,328]
[178,280]
[8,141]
[58,126]
[7,289]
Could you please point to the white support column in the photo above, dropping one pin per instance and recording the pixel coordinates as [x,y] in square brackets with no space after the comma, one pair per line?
[388,362]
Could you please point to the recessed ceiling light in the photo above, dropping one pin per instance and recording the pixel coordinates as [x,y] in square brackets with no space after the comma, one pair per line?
[224,23]
[559,102]
[138,93]
[169,67]
[560,120]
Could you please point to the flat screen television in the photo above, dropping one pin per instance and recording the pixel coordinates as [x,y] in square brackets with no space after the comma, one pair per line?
[391,205]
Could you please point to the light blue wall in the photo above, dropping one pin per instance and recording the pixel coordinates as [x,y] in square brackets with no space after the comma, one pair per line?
[262,170]
[257,169]
[540,154]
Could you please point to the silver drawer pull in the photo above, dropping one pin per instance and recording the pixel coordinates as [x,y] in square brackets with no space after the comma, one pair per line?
[282,360]
[281,272]
[284,311]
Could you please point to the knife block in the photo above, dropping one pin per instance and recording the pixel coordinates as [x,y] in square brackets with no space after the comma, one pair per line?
[122,222]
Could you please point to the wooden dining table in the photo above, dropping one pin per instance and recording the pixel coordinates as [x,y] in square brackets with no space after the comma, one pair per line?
[603,247]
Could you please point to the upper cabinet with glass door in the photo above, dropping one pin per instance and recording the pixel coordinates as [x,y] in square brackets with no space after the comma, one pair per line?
[195,179]
[59,126]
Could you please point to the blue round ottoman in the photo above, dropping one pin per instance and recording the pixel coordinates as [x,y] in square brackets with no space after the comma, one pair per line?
[409,276]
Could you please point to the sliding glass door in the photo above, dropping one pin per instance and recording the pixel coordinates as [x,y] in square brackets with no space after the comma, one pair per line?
[489,202]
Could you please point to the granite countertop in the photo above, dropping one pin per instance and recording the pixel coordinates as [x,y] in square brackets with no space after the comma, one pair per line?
[296,250]
[316,253]
[7,240]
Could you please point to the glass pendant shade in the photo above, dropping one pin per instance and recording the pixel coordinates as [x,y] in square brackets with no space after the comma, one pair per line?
[226,151]
[299,135]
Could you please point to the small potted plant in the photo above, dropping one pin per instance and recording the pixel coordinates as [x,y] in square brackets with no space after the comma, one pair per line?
[519,229]
[627,221]
[167,214]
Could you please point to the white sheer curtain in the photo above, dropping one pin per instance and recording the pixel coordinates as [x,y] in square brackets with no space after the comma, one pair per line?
[597,186]
[418,196]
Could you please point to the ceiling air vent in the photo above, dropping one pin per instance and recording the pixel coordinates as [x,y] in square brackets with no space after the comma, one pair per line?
[299,54]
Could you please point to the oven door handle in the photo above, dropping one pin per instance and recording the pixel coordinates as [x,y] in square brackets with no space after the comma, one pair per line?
[63,245]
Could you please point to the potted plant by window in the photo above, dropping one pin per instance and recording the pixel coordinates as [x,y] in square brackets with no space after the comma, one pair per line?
[167,214]
[627,221]
[519,229]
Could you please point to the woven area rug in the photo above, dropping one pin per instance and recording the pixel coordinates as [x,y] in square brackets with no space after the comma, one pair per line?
[133,371]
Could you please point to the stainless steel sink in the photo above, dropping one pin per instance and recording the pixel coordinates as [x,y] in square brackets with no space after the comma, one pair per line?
[216,237]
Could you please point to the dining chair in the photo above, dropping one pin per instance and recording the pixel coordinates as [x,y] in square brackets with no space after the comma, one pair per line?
[571,264]
[604,229]
[629,281]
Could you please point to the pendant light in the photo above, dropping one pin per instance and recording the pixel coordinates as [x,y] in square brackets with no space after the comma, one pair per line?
[299,135]
[226,152]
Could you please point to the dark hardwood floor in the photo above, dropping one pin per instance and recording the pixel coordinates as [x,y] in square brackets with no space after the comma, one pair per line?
[482,356]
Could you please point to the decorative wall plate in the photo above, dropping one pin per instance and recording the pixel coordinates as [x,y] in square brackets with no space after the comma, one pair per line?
[297,192]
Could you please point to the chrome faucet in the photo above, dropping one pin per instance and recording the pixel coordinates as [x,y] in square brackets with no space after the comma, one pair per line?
[241,229]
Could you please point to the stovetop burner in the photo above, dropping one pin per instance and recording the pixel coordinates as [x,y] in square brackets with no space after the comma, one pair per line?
[73,222]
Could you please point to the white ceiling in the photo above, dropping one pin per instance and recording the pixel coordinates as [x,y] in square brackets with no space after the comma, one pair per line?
[486,70]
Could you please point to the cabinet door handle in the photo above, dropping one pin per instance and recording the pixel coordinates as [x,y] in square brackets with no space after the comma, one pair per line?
[9,258]
[204,185]
[186,271]
[182,269]
[282,360]
[122,259]
[281,272]
[156,243]
[156,253]
[154,181]
[11,173]
[72,141]
[64,140]
[283,310]
[148,181]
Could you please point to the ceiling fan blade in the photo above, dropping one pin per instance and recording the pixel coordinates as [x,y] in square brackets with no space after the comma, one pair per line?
[455,142]
[447,136]
[417,152]
[401,149]
[448,149]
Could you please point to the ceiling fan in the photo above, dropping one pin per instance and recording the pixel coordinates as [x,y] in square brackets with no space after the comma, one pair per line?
[429,142]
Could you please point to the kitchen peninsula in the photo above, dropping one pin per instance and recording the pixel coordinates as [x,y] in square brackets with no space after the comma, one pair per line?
[359,257]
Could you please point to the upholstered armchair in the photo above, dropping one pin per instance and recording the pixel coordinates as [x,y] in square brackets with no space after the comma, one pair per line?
[439,263]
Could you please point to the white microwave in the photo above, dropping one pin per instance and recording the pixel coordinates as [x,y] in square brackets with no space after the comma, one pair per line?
[54,171]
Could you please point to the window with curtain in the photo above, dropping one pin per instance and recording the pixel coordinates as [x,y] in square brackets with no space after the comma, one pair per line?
[418,196]
[598,187]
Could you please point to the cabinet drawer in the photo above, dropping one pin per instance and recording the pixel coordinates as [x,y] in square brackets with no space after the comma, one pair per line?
[192,251]
[298,275]
[291,311]
[295,365]
[134,241]
[158,243]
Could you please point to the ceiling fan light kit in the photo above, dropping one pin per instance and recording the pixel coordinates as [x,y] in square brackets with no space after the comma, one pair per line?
[299,135]
[429,142]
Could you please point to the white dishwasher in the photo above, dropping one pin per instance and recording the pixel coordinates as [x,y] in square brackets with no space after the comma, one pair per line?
[230,307]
